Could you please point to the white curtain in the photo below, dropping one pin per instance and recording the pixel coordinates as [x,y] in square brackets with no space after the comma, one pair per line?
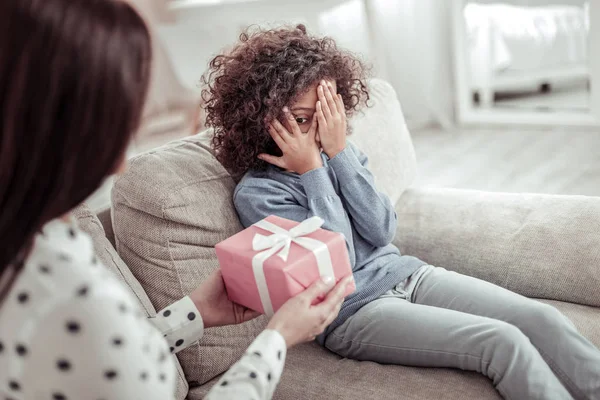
[409,42]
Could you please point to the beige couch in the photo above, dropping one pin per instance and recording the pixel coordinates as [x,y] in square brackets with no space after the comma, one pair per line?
[174,205]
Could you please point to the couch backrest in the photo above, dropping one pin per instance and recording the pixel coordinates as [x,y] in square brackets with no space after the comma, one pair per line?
[381,132]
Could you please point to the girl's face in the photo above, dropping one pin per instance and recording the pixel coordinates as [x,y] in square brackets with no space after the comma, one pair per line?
[305,107]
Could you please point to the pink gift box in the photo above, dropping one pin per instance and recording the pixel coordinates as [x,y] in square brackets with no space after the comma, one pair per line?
[263,280]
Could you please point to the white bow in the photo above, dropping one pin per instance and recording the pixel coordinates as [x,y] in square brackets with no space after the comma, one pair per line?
[280,242]
[282,239]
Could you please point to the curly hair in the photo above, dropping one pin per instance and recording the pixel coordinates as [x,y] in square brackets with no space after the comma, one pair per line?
[265,71]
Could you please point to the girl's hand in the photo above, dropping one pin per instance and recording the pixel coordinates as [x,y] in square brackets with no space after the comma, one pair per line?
[331,115]
[300,150]
[215,307]
[298,321]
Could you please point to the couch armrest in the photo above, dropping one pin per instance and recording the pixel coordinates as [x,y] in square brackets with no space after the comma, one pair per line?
[541,246]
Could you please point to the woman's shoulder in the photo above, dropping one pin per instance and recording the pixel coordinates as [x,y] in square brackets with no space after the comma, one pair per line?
[66,310]
[62,268]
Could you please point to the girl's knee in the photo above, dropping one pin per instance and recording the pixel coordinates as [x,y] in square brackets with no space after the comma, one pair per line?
[542,317]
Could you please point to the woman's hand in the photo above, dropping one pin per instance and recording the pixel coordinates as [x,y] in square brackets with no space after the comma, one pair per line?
[215,307]
[331,115]
[301,152]
[298,321]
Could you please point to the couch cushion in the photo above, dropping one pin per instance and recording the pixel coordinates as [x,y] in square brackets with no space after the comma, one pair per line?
[542,246]
[170,209]
[380,132]
[321,375]
[90,224]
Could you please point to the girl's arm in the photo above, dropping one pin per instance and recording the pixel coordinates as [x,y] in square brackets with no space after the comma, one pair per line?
[372,212]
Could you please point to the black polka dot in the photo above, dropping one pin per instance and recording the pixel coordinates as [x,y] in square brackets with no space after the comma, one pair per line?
[269,376]
[166,313]
[257,353]
[253,375]
[162,377]
[72,233]
[1,347]
[64,257]
[144,376]
[162,357]
[172,348]
[14,385]
[83,291]
[59,396]
[21,350]
[23,297]
[279,355]
[94,260]
[192,316]
[123,308]
[179,342]
[63,365]
[73,327]
[117,341]
[110,374]
[224,383]
[44,269]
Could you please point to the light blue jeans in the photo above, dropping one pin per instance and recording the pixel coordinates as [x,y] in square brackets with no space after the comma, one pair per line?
[438,318]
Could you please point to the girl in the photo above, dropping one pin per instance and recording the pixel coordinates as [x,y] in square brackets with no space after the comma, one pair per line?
[279,102]
[73,81]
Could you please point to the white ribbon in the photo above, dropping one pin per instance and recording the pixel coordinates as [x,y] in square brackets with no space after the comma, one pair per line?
[280,243]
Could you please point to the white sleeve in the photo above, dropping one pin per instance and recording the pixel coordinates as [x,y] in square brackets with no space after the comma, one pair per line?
[95,347]
[180,323]
[257,374]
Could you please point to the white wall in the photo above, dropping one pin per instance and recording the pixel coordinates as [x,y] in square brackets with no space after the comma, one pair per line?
[412,42]
[417,46]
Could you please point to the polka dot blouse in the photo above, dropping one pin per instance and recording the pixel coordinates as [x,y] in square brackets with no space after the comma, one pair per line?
[70,330]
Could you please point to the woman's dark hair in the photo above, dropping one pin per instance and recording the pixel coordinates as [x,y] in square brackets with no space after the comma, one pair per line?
[73,81]
[266,71]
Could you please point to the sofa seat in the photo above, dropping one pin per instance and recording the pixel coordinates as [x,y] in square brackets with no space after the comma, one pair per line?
[313,373]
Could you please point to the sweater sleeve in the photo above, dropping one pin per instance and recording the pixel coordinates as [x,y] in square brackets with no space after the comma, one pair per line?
[257,373]
[372,212]
[255,202]
[180,323]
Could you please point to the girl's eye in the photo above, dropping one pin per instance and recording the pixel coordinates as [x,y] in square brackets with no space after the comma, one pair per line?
[301,120]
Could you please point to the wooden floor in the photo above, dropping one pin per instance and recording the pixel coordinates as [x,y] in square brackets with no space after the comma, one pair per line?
[557,161]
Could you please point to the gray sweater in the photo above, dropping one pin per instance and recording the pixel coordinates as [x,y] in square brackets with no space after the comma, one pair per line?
[343,193]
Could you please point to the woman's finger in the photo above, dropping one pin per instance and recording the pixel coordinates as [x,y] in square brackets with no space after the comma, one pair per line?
[323,100]
[333,315]
[336,295]
[292,121]
[318,289]
[276,161]
[285,135]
